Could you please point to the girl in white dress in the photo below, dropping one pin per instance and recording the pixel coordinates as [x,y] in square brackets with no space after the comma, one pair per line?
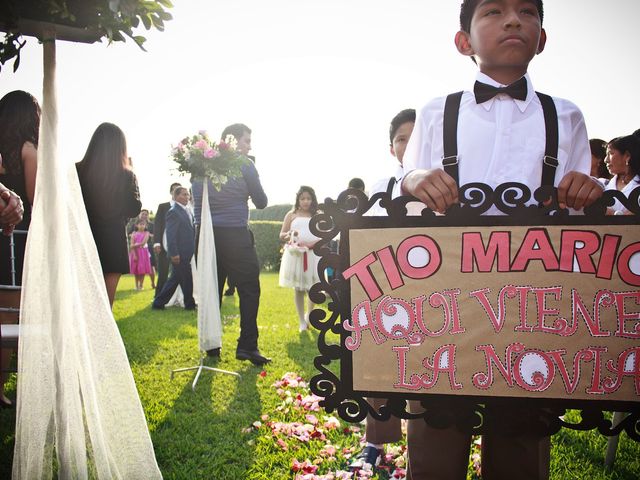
[623,161]
[299,265]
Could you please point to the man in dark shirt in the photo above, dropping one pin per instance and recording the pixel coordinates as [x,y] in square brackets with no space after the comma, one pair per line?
[235,251]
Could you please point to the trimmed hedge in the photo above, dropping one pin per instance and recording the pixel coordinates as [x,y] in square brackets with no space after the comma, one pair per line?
[268,246]
[272,212]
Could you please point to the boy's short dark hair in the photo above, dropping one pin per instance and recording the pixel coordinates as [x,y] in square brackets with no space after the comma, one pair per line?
[406,115]
[174,186]
[598,148]
[467,7]
[356,183]
[237,130]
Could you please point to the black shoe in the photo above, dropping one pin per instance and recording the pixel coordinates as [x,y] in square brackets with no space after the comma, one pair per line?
[254,356]
[370,455]
[191,307]
[6,404]
[157,307]
[214,352]
[229,292]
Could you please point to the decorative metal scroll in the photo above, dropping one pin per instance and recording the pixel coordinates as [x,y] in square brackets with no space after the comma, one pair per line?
[472,413]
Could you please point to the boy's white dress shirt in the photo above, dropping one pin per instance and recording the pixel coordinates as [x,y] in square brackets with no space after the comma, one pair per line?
[501,140]
[381,186]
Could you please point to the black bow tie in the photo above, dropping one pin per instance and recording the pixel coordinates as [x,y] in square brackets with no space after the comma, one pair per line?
[517,90]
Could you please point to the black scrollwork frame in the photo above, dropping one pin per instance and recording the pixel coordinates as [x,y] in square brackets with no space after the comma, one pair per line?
[475,414]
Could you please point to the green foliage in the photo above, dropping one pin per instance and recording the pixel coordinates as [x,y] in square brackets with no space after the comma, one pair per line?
[10,48]
[111,19]
[272,212]
[267,238]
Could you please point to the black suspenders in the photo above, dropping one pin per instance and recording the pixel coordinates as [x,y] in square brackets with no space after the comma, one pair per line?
[550,160]
[450,137]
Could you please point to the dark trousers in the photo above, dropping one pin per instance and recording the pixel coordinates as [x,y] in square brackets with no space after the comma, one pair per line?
[180,275]
[378,432]
[162,270]
[236,258]
[436,454]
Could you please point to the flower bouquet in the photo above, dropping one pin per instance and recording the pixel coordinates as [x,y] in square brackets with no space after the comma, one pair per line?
[202,157]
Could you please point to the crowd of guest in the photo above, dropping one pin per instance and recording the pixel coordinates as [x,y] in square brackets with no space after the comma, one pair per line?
[111,197]
[127,241]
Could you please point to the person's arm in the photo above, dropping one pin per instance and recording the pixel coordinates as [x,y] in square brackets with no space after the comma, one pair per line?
[256,192]
[143,240]
[158,228]
[30,166]
[577,189]
[131,200]
[11,210]
[285,231]
[171,228]
[132,247]
[437,189]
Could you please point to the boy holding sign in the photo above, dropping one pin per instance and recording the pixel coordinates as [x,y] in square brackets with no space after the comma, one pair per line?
[500,131]
[377,433]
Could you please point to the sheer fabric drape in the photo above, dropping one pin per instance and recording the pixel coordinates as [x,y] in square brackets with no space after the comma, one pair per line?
[209,323]
[77,400]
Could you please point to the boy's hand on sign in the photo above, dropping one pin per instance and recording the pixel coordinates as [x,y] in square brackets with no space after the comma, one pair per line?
[577,190]
[437,189]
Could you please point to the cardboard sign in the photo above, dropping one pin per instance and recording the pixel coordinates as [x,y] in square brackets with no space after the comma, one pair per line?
[524,311]
[470,313]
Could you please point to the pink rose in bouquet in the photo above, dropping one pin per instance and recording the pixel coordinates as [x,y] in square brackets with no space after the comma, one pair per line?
[201,157]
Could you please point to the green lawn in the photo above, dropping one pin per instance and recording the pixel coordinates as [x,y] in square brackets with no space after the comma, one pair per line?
[260,426]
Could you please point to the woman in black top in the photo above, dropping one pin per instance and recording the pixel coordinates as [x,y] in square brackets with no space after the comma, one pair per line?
[19,126]
[111,197]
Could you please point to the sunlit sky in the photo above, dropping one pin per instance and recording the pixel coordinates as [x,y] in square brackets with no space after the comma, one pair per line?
[317,81]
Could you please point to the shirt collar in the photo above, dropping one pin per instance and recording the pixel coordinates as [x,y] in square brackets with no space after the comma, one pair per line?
[521,104]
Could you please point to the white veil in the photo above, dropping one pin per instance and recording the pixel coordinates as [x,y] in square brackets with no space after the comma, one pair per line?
[209,323]
[77,398]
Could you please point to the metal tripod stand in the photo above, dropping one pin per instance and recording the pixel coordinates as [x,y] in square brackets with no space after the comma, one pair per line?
[199,369]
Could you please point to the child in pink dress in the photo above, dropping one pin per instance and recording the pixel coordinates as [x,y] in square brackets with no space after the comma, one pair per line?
[139,259]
